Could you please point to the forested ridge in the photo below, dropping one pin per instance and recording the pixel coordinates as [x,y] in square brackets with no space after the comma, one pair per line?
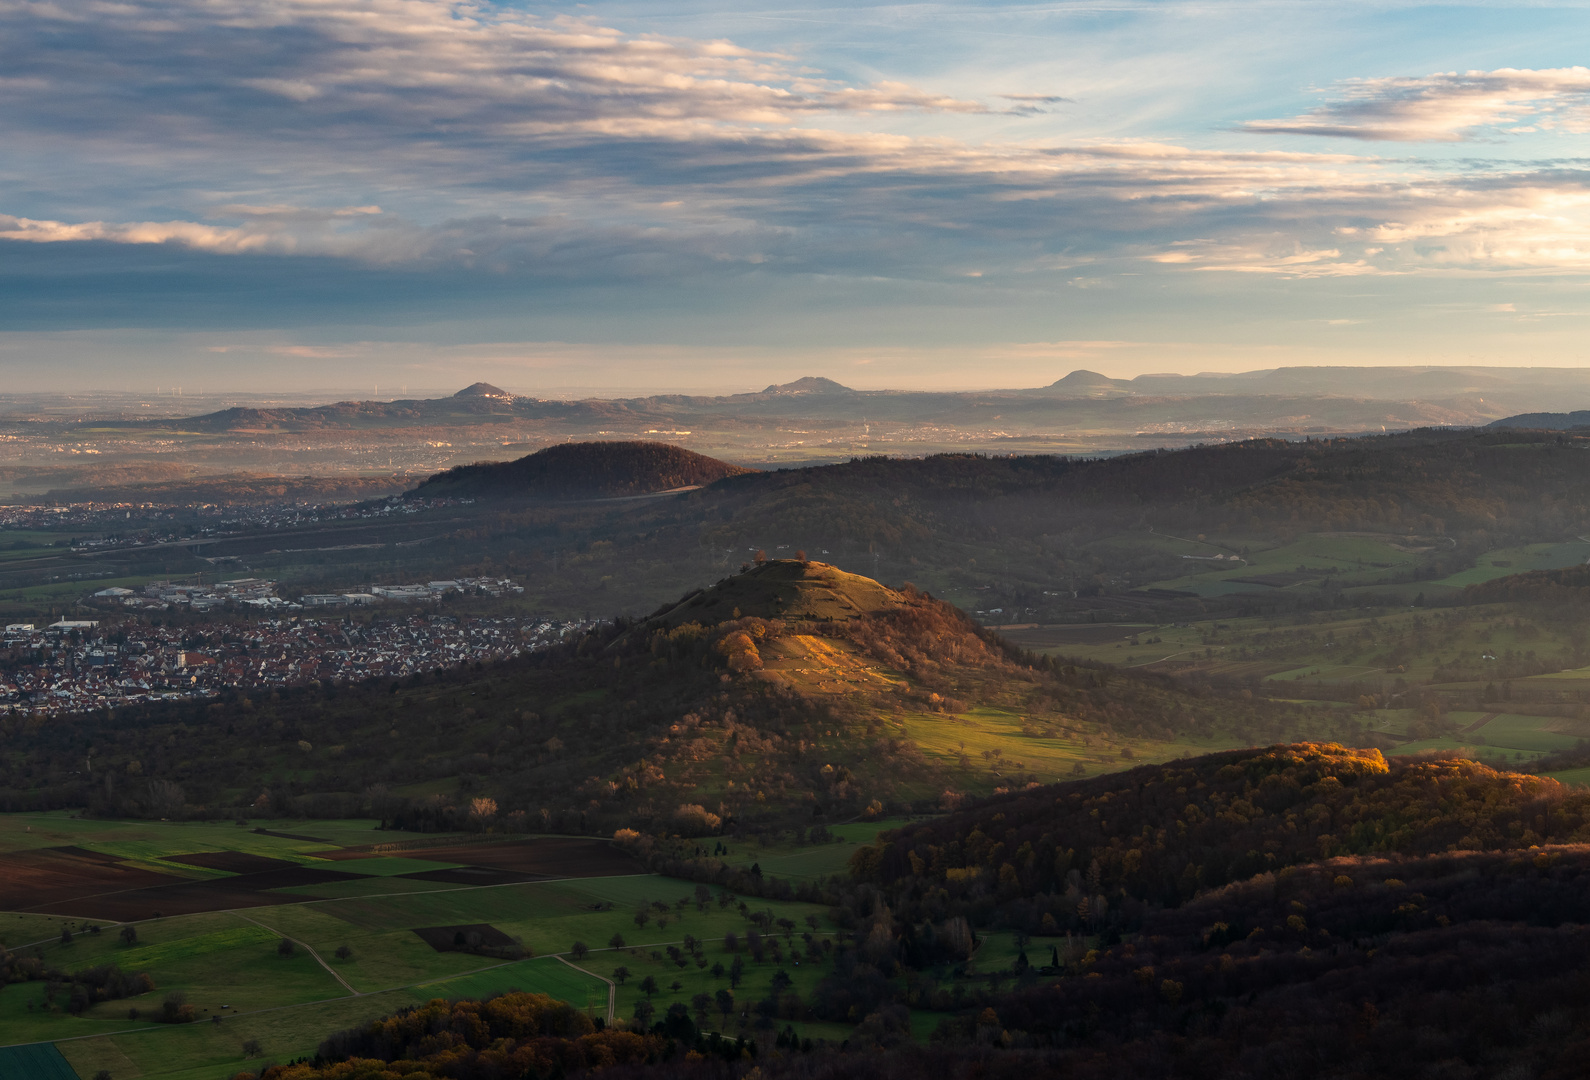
[1034,530]
[1098,853]
[1421,481]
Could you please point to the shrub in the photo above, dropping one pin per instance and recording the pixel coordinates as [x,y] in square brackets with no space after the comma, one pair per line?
[175,1009]
[692,819]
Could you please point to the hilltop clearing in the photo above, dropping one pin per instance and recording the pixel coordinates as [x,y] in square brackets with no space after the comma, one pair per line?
[790,589]
[590,470]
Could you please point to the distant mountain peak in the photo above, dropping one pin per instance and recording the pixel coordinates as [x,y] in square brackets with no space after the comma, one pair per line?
[1085,382]
[484,389]
[1084,377]
[811,384]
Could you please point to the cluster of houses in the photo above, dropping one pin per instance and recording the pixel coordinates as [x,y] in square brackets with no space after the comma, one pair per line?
[77,666]
[265,595]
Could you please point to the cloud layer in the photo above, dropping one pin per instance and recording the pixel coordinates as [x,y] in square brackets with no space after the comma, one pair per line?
[1447,107]
[430,136]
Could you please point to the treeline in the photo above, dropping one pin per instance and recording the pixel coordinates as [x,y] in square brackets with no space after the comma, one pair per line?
[1568,587]
[512,1035]
[74,991]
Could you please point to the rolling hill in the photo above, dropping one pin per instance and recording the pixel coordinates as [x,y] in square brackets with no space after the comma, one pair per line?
[791,689]
[588,470]
[1545,421]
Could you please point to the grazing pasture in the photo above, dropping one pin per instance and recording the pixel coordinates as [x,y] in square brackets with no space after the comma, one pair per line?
[260,962]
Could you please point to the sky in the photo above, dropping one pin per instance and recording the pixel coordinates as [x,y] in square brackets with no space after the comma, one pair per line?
[284,195]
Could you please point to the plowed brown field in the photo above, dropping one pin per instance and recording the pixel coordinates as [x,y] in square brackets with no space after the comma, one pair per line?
[41,879]
[548,857]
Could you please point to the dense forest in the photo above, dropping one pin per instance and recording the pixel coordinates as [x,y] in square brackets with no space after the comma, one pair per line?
[1099,853]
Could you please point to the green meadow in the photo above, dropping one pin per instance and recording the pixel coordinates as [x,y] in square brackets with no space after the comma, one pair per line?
[245,989]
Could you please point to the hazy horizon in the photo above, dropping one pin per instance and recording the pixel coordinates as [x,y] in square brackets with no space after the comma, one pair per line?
[172,395]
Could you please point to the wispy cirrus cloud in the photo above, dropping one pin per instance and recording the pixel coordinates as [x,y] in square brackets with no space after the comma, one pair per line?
[826,202]
[1446,107]
[429,70]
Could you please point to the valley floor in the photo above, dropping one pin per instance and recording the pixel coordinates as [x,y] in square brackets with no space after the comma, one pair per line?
[245,990]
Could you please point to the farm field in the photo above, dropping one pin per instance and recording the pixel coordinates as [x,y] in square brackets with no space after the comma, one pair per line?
[1507,685]
[1237,564]
[643,938]
[1390,649]
[1499,739]
[1517,560]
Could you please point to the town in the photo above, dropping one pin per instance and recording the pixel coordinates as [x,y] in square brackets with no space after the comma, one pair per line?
[78,665]
[262,594]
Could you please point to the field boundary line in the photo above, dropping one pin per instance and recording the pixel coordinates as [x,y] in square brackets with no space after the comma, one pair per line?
[1481,722]
[612,987]
[306,902]
[310,949]
[155,1027]
[281,1008]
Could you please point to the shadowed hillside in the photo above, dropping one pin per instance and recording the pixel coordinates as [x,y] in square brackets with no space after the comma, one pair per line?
[591,470]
